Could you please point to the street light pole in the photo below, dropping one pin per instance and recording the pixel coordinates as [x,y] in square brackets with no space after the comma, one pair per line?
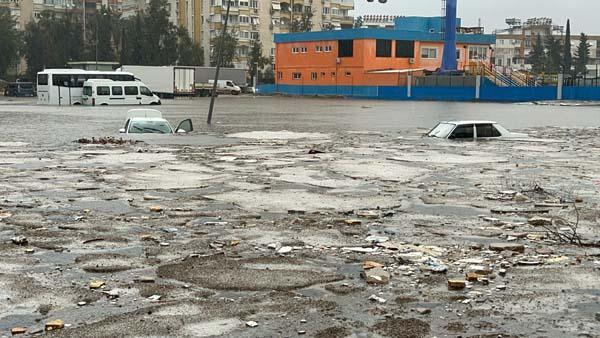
[256,79]
[219,59]
[97,27]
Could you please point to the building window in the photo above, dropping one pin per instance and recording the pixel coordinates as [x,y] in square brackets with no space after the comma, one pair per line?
[296,76]
[322,74]
[295,50]
[319,49]
[348,74]
[332,74]
[405,49]
[383,48]
[303,50]
[327,49]
[244,19]
[280,75]
[325,10]
[477,53]
[345,48]
[428,53]
[313,76]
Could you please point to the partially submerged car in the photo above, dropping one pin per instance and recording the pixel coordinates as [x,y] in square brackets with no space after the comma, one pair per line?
[150,121]
[472,130]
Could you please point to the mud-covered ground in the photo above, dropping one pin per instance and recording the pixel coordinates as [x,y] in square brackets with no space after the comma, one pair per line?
[210,233]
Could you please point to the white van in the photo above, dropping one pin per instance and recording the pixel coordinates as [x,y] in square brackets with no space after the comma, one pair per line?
[102,92]
[226,86]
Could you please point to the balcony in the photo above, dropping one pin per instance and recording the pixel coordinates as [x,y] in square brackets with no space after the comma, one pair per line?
[346,4]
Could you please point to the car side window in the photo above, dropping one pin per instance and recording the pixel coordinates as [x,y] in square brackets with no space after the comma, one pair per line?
[127,124]
[487,130]
[145,91]
[462,132]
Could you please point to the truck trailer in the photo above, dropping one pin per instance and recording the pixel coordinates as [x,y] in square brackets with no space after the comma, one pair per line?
[165,81]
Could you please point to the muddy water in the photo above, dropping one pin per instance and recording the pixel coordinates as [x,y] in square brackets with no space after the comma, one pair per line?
[27,122]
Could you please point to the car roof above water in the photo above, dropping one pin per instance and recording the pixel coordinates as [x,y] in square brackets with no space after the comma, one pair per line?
[144,113]
[470,122]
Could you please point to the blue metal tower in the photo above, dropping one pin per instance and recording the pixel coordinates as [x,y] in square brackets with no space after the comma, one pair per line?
[449,57]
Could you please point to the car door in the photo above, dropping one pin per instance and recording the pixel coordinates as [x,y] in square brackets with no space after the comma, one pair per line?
[185,125]
[146,94]
[463,132]
[486,131]
[132,95]
[117,97]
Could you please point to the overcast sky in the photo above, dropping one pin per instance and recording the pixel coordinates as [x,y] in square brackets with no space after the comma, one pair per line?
[584,14]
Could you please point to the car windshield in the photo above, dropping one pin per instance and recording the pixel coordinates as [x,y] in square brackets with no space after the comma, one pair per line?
[442,130]
[155,127]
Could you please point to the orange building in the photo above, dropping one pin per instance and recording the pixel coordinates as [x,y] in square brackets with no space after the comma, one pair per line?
[372,57]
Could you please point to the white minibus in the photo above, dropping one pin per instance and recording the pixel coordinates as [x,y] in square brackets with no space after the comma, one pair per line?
[102,92]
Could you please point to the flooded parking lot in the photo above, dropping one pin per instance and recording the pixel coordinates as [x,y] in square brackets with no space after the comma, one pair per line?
[287,217]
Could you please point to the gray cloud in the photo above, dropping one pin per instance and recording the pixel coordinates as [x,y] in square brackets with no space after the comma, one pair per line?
[583,13]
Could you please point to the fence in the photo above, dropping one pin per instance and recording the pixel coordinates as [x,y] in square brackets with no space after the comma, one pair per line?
[480,92]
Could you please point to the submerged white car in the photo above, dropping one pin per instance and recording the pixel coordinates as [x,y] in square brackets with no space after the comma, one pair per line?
[472,130]
[150,121]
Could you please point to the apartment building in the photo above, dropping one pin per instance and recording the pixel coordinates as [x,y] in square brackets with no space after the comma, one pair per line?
[515,43]
[252,19]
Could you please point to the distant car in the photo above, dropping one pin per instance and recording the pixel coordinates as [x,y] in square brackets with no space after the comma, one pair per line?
[472,130]
[150,121]
[19,89]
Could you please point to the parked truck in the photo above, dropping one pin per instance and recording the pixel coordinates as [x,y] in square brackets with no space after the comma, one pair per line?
[231,80]
[165,81]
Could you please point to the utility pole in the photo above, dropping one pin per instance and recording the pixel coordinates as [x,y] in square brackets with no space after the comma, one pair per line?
[83,5]
[219,60]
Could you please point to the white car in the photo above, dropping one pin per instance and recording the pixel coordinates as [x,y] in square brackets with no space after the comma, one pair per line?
[150,121]
[472,130]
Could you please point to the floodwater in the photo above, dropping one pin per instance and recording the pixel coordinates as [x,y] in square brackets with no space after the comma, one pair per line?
[23,120]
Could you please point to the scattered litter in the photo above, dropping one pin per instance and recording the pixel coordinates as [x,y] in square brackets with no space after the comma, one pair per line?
[423,310]
[105,140]
[376,298]
[211,223]
[367,214]
[92,240]
[81,303]
[251,324]
[434,265]
[145,279]
[377,239]
[539,221]
[54,325]
[150,198]
[97,284]
[18,330]
[371,265]
[360,249]
[156,208]
[507,247]
[529,262]
[19,240]
[501,287]
[353,222]
[29,251]
[155,298]
[376,275]
[284,250]
[456,284]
